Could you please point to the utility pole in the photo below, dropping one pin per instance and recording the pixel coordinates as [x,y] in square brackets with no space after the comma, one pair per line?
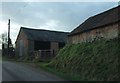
[8,36]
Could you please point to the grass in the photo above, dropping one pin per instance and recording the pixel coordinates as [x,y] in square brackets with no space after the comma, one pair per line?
[88,62]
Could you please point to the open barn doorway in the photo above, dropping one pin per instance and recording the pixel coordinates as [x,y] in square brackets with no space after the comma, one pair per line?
[43,50]
[61,45]
[41,45]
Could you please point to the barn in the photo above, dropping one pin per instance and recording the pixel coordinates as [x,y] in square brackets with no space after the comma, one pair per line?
[30,40]
[104,25]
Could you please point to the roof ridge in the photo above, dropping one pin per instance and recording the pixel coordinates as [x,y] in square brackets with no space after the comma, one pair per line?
[88,24]
[44,30]
[108,10]
[94,16]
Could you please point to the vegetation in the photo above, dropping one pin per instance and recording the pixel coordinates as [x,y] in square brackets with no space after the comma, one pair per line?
[89,61]
[96,61]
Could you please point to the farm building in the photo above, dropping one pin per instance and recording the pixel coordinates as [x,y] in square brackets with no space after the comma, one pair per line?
[104,25]
[31,40]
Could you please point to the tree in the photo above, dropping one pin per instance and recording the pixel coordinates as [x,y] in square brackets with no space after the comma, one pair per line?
[4,43]
[5,49]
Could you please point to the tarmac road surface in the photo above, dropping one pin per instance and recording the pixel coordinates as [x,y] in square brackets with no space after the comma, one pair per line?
[15,71]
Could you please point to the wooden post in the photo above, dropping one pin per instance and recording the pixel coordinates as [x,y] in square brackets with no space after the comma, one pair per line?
[8,36]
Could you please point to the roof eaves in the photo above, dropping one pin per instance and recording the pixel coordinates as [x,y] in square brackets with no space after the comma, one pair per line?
[71,34]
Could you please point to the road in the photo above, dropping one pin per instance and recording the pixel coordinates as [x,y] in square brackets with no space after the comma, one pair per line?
[0,69]
[0,65]
[15,71]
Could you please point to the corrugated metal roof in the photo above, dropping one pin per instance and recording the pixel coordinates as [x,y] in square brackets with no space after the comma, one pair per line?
[45,35]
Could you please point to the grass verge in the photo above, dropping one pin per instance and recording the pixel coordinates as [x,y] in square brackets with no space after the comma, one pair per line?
[97,61]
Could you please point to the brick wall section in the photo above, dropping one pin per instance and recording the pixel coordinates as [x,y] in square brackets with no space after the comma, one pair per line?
[107,32]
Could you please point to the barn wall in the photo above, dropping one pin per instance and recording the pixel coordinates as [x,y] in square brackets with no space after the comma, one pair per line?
[55,47]
[22,37]
[30,47]
[119,28]
[107,32]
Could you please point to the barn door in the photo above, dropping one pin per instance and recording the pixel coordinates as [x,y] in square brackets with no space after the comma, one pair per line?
[21,48]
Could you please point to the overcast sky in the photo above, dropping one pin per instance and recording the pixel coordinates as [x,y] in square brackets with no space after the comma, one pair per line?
[58,16]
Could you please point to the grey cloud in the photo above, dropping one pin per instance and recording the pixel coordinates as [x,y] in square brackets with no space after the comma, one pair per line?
[69,15]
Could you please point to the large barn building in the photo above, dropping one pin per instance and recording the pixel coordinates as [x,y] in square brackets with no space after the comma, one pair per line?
[30,40]
[104,25]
